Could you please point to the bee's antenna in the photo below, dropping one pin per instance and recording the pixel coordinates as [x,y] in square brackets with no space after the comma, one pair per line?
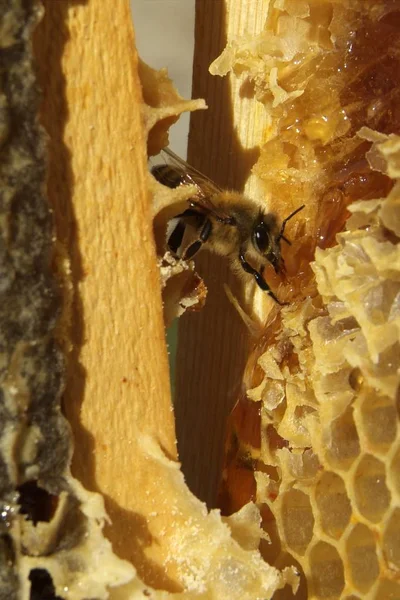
[281,236]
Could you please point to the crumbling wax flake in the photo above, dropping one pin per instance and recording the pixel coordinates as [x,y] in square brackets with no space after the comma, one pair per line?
[245,526]
[162,106]
[182,288]
[384,155]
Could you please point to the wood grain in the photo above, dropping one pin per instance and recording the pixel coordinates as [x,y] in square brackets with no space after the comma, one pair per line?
[118,369]
[214,344]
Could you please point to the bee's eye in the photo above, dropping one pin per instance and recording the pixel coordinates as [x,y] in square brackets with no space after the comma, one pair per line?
[260,237]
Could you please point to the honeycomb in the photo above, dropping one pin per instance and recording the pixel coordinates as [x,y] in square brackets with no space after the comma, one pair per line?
[330,393]
[314,437]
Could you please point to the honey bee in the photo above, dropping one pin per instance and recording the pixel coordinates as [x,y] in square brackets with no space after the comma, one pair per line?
[226,223]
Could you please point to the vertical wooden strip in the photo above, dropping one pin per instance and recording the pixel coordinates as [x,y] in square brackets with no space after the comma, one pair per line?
[118,369]
[213,345]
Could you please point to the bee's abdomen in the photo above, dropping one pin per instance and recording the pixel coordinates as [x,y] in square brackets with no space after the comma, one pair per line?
[168,176]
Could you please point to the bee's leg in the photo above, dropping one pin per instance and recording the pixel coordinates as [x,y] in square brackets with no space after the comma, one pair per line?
[176,237]
[281,236]
[192,250]
[203,237]
[259,278]
[206,231]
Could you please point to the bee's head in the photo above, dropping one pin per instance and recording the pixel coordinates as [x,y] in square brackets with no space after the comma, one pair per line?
[267,236]
[266,241]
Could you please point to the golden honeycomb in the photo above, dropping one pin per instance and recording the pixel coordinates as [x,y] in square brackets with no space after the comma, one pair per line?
[314,438]
[335,504]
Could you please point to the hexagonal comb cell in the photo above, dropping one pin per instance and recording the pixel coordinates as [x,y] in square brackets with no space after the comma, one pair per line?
[362,557]
[395,470]
[391,541]
[344,446]
[333,504]
[372,495]
[327,576]
[298,520]
[379,418]
[387,590]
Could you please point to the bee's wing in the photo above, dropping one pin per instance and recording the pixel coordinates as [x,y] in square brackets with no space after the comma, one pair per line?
[188,175]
